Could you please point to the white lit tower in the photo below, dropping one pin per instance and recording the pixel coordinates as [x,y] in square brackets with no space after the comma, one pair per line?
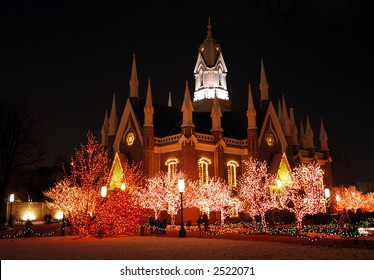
[210,76]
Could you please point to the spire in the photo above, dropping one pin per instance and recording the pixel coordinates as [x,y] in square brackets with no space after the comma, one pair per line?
[294,131]
[216,115]
[134,82]
[105,130]
[280,112]
[113,117]
[323,138]
[169,100]
[309,136]
[285,119]
[264,87]
[148,108]
[302,135]
[187,108]
[251,112]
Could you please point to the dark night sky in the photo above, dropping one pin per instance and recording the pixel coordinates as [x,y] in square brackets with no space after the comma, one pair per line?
[68,58]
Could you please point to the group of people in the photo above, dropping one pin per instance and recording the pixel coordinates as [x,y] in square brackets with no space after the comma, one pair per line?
[157,226]
[203,220]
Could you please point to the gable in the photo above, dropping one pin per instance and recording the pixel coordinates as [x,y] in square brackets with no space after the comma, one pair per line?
[129,121]
[116,174]
[271,124]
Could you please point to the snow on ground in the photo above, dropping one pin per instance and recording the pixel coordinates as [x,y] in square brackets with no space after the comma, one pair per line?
[272,257]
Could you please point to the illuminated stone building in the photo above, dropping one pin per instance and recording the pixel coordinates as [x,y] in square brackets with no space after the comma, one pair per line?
[205,136]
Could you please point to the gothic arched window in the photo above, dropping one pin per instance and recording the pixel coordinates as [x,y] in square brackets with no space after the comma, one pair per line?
[172,167]
[203,170]
[231,173]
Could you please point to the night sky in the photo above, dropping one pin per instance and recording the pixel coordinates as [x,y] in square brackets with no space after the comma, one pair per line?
[68,57]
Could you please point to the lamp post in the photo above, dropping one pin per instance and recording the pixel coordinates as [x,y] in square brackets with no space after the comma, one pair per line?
[11,200]
[182,232]
[103,191]
[327,196]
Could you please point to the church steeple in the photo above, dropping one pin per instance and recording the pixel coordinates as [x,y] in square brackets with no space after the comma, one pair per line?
[210,76]
[148,108]
[216,115]
[113,118]
[252,134]
[323,138]
[309,137]
[105,130]
[169,100]
[187,109]
[134,83]
[264,87]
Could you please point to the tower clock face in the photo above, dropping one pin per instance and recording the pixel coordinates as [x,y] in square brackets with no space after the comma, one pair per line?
[270,139]
[130,138]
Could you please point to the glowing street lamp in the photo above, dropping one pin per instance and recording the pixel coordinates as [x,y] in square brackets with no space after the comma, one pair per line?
[103,191]
[327,196]
[11,200]
[182,232]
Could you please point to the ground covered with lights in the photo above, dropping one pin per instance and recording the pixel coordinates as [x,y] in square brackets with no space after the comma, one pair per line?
[47,242]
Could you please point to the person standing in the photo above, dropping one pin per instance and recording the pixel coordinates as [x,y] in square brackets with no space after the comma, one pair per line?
[206,222]
[164,224]
[28,225]
[151,224]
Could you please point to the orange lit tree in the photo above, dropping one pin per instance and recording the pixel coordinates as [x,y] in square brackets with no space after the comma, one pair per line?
[349,198]
[306,191]
[368,205]
[78,193]
[254,189]
[120,212]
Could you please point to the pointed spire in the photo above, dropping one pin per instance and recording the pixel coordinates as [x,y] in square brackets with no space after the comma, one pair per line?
[323,138]
[264,86]
[302,135]
[294,131]
[285,119]
[187,108]
[134,82]
[309,135]
[279,112]
[251,112]
[216,115]
[169,100]
[105,130]
[209,26]
[148,108]
[113,117]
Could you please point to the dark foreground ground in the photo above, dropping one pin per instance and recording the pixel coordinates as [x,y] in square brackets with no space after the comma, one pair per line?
[47,243]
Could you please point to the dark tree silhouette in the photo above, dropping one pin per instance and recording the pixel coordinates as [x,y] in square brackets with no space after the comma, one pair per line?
[20,143]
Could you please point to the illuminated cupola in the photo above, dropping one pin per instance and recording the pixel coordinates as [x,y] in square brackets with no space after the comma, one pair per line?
[210,76]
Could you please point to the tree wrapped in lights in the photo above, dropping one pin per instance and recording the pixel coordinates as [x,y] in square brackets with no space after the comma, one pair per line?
[120,212]
[77,195]
[90,165]
[78,204]
[161,194]
[349,198]
[306,191]
[217,196]
[254,189]
[368,204]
